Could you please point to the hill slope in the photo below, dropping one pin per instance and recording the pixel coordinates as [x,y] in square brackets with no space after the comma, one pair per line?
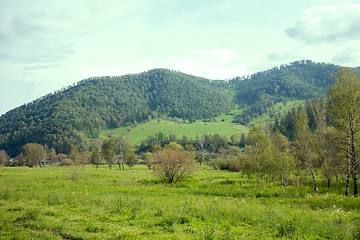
[63,119]
[66,118]
[299,80]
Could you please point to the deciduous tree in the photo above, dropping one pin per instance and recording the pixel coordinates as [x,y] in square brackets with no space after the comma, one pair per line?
[34,153]
[344,105]
[174,165]
[108,151]
[304,145]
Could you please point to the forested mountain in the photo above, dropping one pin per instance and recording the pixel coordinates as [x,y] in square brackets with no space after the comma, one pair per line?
[299,80]
[65,118]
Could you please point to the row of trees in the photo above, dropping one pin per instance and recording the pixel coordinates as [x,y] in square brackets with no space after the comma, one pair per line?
[66,118]
[328,142]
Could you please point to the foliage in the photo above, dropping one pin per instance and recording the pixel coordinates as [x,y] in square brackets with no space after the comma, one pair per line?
[174,164]
[34,154]
[344,101]
[298,80]
[260,159]
[64,118]
[4,157]
[108,151]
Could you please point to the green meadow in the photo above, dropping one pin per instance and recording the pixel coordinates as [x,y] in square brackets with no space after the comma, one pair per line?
[82,202]
[221,125]
[137,133]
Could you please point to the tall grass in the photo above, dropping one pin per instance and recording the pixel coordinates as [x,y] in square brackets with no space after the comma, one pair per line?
[49,203]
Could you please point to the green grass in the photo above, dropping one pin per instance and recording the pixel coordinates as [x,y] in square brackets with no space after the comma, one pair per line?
[277,109]
[136,133]
[87,203]
[222,125]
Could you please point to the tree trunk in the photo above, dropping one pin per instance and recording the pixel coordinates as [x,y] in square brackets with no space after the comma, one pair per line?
[312,171]
[282,174]
[348,170]
[353,156]
[313,177]
[258,170]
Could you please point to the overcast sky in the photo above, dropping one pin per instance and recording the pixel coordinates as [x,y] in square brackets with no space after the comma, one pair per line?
[46,45]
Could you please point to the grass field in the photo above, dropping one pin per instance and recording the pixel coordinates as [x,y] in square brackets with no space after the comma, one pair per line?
[222,125]
[81,202]
[136,133]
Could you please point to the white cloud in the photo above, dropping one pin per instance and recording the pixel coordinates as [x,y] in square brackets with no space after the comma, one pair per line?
[213,64]
[49,31]
[328,24]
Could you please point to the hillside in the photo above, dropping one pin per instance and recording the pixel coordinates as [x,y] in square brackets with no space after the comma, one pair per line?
[299,80]
[69,117]
[65,118]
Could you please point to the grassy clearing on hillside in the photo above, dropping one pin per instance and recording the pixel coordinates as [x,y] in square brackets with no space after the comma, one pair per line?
[136,133]
[81,202]
[222,126]
[277,109]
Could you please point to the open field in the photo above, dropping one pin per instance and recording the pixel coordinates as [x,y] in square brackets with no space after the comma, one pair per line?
[136,133]
[222,126]
[81,202]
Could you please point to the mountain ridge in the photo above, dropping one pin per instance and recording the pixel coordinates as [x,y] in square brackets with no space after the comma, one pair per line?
[66,118]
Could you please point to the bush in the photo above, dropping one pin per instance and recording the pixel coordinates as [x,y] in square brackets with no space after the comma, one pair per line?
[220,163]
[174,165]
[235,165]
[66,162]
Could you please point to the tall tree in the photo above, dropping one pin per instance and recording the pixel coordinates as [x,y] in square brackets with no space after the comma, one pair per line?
[123,147]
[304,145]
[34,153]
[259,152]
[283,159]
[344,105]
[108,151]
[200,143]
[95,156]
[130,159]
[4,157]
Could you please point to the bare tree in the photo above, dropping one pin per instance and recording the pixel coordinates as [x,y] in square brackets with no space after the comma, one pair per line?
[4,157]
[174,165]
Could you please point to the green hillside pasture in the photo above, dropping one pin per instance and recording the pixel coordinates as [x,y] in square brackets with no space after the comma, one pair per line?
[278,109]
[82,202]
[136,133]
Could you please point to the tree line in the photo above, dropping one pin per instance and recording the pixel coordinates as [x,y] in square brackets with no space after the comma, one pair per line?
[68,117]
[323,135]
[318,141]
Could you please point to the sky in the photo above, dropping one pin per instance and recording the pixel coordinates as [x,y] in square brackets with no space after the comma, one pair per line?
[46,45]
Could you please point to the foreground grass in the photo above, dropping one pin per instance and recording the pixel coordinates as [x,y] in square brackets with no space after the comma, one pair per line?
[87,203]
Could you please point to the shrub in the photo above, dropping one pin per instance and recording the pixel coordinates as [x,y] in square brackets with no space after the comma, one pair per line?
[174,165]
[235,165]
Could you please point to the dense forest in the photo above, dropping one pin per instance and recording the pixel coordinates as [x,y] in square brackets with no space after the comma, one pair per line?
[68,118]
[65,118]
[299,80]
